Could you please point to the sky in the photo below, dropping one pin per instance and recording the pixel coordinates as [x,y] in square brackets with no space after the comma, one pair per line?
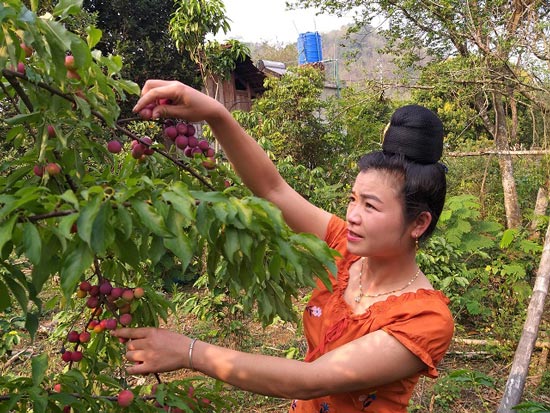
[268,20]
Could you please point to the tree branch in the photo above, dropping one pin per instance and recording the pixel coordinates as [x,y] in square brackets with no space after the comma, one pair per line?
[497,152]
[53,214]
[9,73]
[12,76]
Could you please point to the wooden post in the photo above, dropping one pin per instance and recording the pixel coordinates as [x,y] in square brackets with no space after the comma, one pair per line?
[520,366]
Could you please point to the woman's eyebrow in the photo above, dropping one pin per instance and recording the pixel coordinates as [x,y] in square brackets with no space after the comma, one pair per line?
[367,197]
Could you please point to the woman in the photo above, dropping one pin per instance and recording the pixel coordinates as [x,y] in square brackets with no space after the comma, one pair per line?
[383,325]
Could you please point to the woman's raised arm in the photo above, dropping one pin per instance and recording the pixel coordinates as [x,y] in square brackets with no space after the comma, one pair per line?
[249,160]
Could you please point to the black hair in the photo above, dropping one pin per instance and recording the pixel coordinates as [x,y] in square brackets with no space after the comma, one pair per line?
[424,185]
[412,147]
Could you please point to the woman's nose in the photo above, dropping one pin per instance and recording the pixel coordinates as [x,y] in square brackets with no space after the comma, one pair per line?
[352,215]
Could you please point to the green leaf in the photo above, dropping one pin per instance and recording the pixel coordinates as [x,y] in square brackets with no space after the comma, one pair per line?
[124,220]
[32,242]
[56,35]
[39,365]
[127,250]
[9,405]
[231,245]
[75,263]
[15,132]
[87,217]
[246,242]
[103,232]
[94,36]
[17,290]
[274,267]
[67,7]
[81,53]
[39,400]
[149,217]
[65,227]
[203,220]
[70,197]
[31,323]
[129,86]
[530,247]
[25,118]
[181,247]
[517,270]
[180,203]
[84,106]
[157,249]
[6,231]
[5,300]
[507,238]
[180,244]
[209,196]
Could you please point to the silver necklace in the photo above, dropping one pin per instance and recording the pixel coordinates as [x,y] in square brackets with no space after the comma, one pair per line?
[361,294]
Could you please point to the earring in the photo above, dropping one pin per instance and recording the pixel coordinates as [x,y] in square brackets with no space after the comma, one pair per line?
[416,246]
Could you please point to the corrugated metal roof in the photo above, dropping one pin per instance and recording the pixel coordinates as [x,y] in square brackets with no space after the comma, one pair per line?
[248,73]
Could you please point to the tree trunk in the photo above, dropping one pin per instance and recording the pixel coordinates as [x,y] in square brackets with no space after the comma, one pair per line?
[541,205]
[511,204]
[520,366]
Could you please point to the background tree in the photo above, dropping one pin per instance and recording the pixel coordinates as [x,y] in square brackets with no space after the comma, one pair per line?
[502,46]
[278,52]
[291,115]
[138,31]
[190,25]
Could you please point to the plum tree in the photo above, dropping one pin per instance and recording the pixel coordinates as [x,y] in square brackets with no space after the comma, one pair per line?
[87,216]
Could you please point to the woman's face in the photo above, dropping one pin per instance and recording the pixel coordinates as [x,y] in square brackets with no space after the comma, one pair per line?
[375,218]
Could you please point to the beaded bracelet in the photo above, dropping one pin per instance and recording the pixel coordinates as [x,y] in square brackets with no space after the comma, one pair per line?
[191,354]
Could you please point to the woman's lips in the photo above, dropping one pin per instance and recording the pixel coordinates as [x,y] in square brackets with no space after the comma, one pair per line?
[353,237]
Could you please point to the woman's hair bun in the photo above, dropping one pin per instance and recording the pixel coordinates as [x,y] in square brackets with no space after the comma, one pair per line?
[415,132]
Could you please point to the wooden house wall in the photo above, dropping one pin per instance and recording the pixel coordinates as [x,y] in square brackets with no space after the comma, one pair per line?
[231,97]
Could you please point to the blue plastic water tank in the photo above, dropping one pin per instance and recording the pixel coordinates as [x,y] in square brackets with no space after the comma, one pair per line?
[309,48]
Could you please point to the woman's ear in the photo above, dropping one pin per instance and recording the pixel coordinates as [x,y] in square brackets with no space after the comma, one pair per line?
[421,223]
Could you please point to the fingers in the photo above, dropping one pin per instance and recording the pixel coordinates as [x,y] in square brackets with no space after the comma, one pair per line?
[150,97]
[141,368]
[152,84]
[166,111]
[131,333]
[153,90]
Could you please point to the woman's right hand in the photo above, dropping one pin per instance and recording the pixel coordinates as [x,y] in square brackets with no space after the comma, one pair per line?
[183,102]
[154,350]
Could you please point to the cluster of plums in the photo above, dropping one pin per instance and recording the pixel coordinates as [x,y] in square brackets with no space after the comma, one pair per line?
[181,134]
[140,148]
[117,300]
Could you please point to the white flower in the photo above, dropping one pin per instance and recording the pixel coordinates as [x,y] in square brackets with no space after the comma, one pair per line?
[316,311]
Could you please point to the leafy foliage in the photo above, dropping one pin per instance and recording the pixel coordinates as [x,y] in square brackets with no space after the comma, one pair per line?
[532,407]
[69,208]
[452,386]
[291,115]
[138,31]
[484,269]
